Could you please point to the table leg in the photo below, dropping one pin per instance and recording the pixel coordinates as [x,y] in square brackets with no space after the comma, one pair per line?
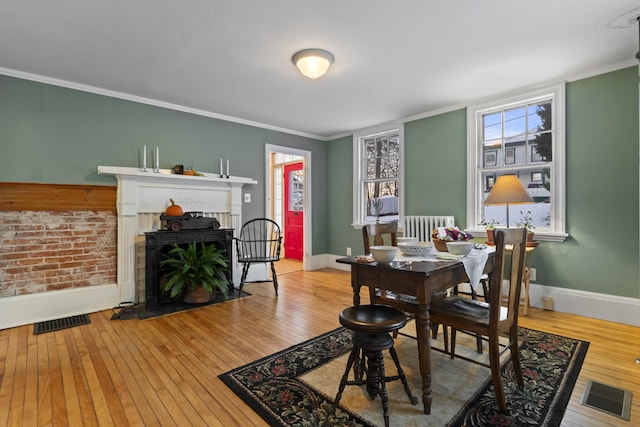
[424,354]
[355,286]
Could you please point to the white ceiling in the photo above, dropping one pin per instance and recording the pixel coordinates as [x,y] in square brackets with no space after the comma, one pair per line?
[393,58]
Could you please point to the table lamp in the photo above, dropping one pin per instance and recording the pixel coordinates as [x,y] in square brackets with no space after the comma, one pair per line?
[508,190]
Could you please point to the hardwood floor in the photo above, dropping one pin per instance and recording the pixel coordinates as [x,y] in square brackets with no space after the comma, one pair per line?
[164,371]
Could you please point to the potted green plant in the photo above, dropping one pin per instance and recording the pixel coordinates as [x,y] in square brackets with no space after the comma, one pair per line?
[489,225]
[195,275]
[526,221]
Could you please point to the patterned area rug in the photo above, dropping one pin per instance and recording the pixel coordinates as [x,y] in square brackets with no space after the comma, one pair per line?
[296,387]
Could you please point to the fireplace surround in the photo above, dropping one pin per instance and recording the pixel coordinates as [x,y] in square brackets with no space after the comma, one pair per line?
[143,196]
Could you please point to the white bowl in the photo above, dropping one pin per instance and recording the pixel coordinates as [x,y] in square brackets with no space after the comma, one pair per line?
[407,239]
[415,248]
[460,248]
[384,254]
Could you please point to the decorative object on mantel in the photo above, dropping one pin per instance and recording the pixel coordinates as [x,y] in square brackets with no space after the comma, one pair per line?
[144,158]
[156,161]
[188,221]
[178,169]
[195,274]
[174,210]
[222,171]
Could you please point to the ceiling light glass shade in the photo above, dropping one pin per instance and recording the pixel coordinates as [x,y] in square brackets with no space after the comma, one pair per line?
[312,63]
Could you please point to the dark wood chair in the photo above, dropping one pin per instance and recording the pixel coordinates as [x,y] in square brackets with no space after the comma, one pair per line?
[377,232]
[371,325]
[259,242]
[491,319]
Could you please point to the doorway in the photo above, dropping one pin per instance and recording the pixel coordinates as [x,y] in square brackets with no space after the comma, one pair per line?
[289,168]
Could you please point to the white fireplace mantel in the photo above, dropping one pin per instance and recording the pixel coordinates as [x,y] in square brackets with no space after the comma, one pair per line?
[143,195]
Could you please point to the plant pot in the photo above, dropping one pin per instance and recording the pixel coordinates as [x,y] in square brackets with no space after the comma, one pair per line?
[489,237]
[530,236]
[196,295]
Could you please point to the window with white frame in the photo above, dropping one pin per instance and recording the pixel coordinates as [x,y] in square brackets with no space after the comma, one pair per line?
[377,176]
[522,135]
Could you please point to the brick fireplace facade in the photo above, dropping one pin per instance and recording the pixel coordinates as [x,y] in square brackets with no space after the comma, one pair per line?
[42,251]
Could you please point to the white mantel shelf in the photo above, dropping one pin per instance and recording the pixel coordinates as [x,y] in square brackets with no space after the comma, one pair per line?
[167,174]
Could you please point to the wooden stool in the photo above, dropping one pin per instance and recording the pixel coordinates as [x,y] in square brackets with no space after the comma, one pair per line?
[371,325]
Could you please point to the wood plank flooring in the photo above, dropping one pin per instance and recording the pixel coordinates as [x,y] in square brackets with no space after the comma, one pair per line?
[164,371]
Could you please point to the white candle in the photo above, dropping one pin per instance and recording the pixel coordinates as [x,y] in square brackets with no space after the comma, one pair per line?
[157,158]
[221,170]
[227,168]
[144,157]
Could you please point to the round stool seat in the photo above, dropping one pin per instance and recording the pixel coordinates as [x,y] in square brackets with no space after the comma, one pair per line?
[372,318]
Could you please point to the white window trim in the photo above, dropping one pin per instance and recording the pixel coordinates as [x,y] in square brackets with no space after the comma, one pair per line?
[474,179]
[358,196]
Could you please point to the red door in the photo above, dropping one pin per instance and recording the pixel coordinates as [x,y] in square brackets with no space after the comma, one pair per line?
[293,210]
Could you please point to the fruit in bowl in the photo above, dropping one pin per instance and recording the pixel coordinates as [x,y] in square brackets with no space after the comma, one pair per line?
[383,254]
[415,248]
[460,247]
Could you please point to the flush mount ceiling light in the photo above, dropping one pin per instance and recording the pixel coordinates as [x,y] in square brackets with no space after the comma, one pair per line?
[312,63]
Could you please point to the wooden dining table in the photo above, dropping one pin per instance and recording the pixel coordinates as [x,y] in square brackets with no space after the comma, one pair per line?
[419,279]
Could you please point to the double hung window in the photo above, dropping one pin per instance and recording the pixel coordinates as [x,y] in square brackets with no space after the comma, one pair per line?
[524,136]
[377,176]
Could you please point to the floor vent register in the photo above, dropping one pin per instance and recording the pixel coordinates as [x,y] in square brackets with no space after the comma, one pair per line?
[64,323]
[611,400]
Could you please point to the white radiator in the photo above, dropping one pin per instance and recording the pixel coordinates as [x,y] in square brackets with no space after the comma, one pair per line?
[421,226]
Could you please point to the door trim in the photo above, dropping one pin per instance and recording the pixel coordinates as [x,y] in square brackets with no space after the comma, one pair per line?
[307,232]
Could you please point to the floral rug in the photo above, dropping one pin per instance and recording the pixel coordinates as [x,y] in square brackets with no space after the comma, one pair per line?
[296,386]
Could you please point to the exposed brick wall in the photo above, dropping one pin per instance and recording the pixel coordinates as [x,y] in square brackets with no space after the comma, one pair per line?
[42,251]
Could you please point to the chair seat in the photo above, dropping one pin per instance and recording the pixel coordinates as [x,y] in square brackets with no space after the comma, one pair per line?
[372,318]
[473,310]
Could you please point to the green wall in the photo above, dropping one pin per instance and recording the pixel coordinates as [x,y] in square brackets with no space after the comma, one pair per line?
[51,134]
[601,255]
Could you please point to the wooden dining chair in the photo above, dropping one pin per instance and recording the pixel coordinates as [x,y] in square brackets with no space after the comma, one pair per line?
[379,232]
[491,319]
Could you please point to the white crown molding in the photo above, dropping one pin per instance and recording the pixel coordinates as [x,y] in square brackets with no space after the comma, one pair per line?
[148,101]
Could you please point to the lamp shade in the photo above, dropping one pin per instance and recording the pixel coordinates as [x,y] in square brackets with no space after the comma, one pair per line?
[312,63]
[508,190]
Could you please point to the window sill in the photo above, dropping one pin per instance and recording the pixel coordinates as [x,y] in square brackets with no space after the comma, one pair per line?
[539,236]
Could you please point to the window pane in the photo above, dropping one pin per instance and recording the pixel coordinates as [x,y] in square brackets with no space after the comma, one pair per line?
[542,147]
[382,198]
[539,117]
[537,182]
[382,156]
[492,126]
[515,122]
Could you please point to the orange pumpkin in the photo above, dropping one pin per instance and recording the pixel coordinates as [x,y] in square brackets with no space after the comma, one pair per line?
[174,210]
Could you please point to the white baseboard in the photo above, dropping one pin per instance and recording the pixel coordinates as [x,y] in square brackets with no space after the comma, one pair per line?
[588,304]
[34,308]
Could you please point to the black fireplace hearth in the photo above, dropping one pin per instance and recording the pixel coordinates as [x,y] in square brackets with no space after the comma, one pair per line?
[158,244]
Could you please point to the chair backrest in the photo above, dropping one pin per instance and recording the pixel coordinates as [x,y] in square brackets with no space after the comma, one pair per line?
[259,240]
[511,244]
[377,231]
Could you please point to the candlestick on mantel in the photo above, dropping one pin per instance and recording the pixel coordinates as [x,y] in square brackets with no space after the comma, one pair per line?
[227,168]
[156,168]
[221,170]
[144,158]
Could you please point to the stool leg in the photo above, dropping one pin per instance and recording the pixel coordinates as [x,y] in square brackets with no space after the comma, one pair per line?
[374,359]
[345,377]
[403,378]
[377,369]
